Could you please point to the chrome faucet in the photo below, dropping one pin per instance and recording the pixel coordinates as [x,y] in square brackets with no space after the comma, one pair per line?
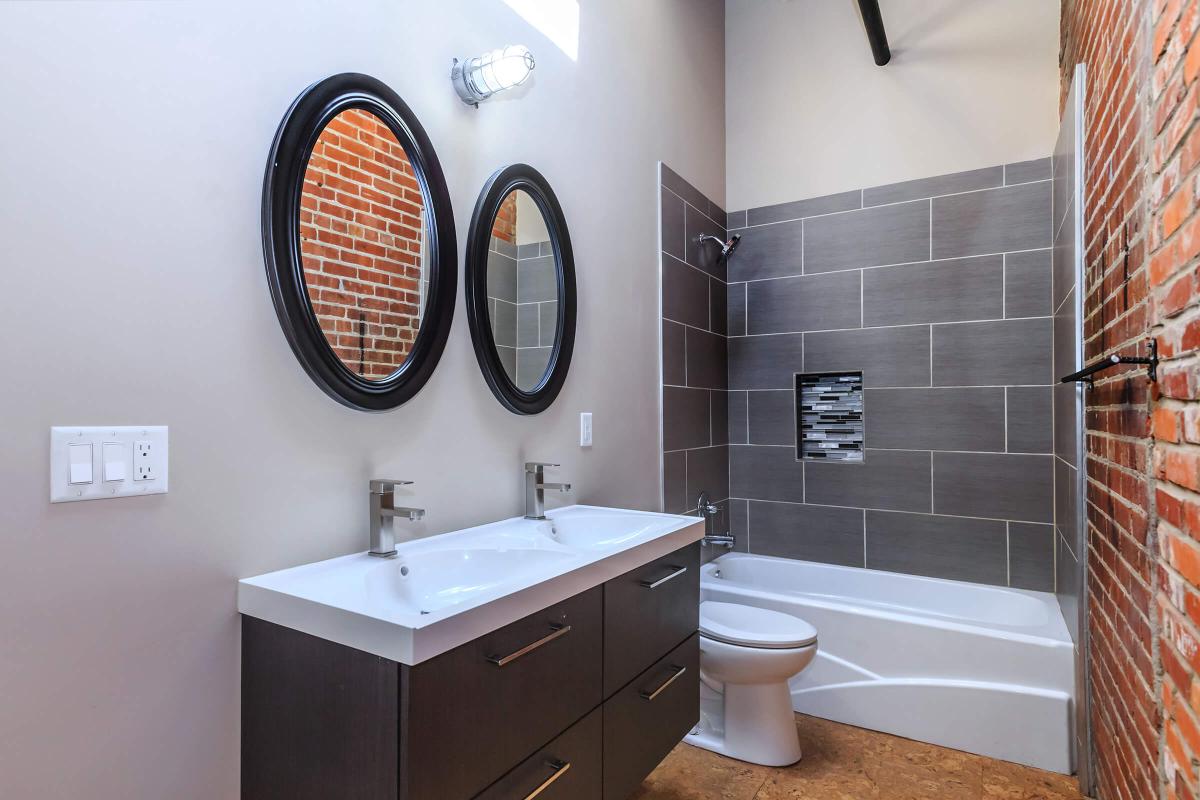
[710,511]
[383,511]
[535,489]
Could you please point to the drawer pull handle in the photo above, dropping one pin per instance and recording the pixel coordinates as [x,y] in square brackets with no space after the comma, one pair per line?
[655,584]
[560,768]
[556,630]
[651,695]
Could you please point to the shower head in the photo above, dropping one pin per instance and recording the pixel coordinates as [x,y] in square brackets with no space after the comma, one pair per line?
[727,247]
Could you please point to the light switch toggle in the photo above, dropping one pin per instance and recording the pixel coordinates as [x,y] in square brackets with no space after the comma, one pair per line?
[80,462]
[114,461]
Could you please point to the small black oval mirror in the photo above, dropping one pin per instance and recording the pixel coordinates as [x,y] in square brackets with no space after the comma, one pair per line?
[521,289]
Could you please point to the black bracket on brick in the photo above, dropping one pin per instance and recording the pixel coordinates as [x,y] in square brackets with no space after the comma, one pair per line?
[1085,374]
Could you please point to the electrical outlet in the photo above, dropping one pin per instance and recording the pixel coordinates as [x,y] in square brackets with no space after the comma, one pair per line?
[105,463]
[143,460]
[585,429]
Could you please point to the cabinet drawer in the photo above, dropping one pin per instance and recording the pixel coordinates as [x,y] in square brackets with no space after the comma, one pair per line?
[647,611]
[650,716]
[472,713]
[566,769]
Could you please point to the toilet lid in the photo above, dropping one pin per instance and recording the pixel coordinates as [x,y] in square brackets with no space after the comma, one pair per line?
[734,623]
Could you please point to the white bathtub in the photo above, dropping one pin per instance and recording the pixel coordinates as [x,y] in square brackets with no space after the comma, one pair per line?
[978,668]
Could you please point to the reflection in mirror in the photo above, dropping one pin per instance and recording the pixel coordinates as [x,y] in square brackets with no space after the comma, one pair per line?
[362,243]
[522,289]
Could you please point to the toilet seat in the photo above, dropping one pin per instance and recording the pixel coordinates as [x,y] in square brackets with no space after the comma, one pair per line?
[747,626]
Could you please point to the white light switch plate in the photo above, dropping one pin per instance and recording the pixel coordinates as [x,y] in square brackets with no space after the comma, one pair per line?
[126,461]
[585,429]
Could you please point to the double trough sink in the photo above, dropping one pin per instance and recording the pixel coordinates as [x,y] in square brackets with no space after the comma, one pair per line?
[441,591]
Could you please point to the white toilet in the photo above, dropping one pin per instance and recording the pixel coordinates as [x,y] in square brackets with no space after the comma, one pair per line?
[747,655]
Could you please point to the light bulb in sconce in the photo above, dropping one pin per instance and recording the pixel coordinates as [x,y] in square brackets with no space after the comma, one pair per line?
[479,78]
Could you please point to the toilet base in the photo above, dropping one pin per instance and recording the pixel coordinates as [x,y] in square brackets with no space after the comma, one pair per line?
[751,723]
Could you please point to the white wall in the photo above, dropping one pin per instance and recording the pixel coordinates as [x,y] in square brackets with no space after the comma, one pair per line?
[972,83]
[134,137]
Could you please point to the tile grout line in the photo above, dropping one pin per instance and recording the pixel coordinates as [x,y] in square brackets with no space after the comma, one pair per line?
[893,511]
[881,327]
[876,205]
[889,265]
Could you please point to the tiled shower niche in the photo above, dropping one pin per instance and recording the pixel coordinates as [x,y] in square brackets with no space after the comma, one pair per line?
[829,416]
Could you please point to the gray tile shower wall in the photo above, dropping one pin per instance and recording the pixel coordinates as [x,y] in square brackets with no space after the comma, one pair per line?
[939,291]
[695,365]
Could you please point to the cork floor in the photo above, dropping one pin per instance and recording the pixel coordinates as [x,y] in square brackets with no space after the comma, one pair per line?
[842,762]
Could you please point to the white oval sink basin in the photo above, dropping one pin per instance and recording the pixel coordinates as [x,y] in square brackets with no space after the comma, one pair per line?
[599,529]
[429,580]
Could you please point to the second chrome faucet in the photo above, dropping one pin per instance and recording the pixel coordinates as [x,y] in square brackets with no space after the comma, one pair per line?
[383,511]
[535,489]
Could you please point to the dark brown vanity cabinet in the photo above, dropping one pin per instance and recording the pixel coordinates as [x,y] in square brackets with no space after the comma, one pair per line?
[579,701]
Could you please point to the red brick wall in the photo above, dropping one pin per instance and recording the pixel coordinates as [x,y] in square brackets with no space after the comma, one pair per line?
[1142,237]
[360,240]
[505,225]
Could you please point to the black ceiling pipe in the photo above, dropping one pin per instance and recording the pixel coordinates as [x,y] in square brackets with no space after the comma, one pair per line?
[876,35]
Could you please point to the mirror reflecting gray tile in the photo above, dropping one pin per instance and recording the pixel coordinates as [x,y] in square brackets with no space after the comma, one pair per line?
[504,323]
[885,356]
[504,248]
[502,277]
[685,418]
[1015,351]
[707,471]
[997,485]
[935,419]
[771,251]
[707,362]
[871,237]
[940,547]
[985,178]
[1027,284]
[1037,169]
[674,484]
[1031,556]
[537,279]
[672,354]
[684,293]
[1030,419]
[672,225]
[827,204]
[765,473]
[548,323]
[772,417]
[992,221]
[528,325]
[808,303]
[531,365]
[508,360]
[765,362]
[529,250]
[811,533]
[938,291]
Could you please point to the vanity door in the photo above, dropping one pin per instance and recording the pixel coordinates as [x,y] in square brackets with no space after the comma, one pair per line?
[470,714]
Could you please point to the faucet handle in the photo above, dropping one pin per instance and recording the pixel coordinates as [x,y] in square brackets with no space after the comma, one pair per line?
[382,485]
[534,466]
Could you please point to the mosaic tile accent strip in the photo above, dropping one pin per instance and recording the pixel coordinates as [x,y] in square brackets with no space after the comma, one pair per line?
[829,413]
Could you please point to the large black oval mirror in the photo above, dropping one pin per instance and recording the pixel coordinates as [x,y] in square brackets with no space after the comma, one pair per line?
[359,240]
[521,289]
